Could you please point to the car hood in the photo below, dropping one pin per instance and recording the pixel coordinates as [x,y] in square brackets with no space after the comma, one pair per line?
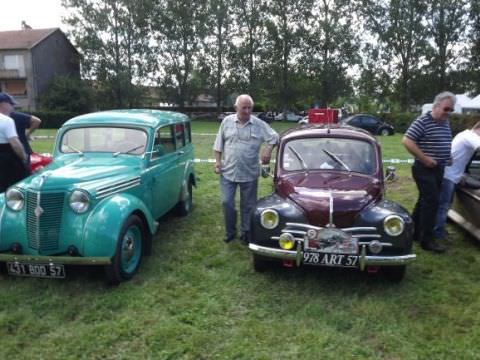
[350,193]
[89,173]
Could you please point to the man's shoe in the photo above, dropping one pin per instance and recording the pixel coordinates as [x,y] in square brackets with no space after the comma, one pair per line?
[433,246]
[244,238]
[229,238]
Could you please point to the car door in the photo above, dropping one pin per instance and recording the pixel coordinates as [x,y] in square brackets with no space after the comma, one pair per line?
[164,171]
[370,123]
[466,205]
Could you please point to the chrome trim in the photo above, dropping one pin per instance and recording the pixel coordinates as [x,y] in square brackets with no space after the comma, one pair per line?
[117,187]
[364,260]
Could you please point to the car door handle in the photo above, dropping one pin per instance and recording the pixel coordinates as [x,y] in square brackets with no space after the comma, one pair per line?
[181,152]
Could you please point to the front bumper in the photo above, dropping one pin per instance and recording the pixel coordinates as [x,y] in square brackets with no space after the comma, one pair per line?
[66,260]
[364,260]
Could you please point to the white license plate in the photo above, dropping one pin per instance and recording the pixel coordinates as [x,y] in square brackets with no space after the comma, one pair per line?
[36,270]
[326,259]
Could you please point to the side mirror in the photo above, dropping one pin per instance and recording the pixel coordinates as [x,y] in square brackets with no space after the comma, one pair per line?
[390,173]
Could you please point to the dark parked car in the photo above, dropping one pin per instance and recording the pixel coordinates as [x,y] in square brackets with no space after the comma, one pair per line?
[328,206]
[466,203]
[369,123]
[266,116]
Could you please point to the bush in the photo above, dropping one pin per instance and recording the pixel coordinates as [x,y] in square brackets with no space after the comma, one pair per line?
[53,119]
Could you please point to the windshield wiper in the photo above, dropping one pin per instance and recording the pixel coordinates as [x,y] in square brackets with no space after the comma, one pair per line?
[336,159]
[297,155]
[128,151]
[73,148]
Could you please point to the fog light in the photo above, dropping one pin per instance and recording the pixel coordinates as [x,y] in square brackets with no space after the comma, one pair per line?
[286,241]
[393,225]
[375,246]
[72,250]
[16,248]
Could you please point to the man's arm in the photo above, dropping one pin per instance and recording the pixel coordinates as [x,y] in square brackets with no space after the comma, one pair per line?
[18,148]
[34,124]
[218,162]
[267,153]
[413,149]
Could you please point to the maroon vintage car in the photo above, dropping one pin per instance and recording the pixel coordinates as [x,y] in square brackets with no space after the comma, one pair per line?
[39,161]
[328,207]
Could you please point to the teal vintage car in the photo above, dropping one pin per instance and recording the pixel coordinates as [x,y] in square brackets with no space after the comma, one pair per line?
[113,174]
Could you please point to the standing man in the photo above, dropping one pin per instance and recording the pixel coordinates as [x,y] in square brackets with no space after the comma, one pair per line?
[464,145]
[236,148]
[25,124]
[429,139]
[12,154]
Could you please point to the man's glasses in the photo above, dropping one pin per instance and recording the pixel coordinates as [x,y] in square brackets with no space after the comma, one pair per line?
[448,109]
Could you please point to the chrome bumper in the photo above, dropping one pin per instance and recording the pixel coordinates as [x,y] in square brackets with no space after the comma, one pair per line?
[66,260]
[363,259]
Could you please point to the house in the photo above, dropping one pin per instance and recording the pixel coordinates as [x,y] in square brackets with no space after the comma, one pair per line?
[31,58]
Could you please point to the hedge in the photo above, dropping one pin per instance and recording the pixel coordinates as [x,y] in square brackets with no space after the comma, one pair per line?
[53,119]
[458,122]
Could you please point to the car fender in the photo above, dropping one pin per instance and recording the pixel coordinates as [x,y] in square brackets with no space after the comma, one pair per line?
[187,175]
[374,216]
[104,223]
[287,210]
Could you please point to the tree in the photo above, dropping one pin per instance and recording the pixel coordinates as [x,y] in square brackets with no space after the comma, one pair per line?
[111,36]
[178,27]
[399,27]
[331,48]
[285,31]
[447,20]
[66,93]
[474,46]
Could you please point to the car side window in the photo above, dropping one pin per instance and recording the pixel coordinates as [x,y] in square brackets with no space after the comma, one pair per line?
[369,121]
[474,166]
[164,141]
[188,133]
[180,135]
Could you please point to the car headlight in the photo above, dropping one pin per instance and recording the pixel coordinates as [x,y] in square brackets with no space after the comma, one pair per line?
[393,225]
[15,199]
[79,201]
[269,219]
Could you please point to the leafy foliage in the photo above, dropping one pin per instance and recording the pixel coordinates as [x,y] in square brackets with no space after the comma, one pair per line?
[67,94]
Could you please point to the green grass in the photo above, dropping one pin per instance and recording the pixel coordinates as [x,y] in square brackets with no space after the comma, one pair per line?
[198,298]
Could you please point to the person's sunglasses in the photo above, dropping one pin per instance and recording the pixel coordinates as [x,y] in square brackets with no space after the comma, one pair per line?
[447,109]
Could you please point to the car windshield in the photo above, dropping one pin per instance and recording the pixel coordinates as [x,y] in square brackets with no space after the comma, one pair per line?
[115,140]
[329,154]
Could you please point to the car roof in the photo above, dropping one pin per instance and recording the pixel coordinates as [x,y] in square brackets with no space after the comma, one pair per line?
[139,117]
[334,130]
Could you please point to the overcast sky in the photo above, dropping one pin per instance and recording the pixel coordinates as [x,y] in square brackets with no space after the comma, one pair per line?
[39,14]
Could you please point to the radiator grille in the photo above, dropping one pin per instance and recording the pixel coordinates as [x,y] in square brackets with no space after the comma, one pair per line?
[44,231]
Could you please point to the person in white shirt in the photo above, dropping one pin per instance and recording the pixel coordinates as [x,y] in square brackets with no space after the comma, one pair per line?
[12,154]
[464,145]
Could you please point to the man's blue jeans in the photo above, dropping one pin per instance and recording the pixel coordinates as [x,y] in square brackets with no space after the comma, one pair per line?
[444,203]
[248,198]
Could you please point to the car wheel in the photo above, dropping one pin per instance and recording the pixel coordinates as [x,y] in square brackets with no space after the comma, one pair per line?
[259,263]
[184,206]
[395,273]
[128,254]
[384,132]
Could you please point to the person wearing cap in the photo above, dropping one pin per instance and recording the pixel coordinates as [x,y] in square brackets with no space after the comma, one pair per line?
[429,140]
[12,153]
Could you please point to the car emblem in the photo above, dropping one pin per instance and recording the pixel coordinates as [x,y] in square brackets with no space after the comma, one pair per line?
[38,211]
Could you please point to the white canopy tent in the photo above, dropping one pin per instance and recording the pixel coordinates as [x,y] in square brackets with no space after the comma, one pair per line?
[464,105]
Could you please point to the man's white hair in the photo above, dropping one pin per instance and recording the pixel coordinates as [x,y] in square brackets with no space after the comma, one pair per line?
[445,95]
[243,97]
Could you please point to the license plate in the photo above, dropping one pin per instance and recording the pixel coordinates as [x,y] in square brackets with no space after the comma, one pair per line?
[326,259]
[36,270]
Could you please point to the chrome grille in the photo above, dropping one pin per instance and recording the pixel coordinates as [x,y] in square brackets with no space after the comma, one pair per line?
[44,231]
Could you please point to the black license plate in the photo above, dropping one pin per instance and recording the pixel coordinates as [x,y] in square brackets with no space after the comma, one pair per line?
[56,271]
[327,259]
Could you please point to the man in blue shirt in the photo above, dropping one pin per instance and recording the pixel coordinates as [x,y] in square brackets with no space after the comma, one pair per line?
[236,148]
[429,140]
[25,124]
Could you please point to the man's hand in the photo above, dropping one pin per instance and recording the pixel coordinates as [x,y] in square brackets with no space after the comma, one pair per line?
[218,168]
[429,162]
